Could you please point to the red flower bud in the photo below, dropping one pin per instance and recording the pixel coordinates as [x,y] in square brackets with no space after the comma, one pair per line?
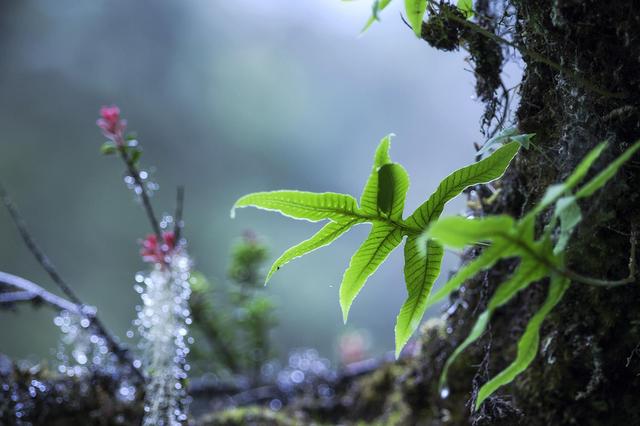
[111,124]
[152,251]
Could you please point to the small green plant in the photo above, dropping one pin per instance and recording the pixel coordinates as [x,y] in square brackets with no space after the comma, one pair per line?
[415,11]
[233,324]
[540,258]
[382,205]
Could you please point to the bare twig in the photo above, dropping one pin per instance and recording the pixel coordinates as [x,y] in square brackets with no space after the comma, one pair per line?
[27,291]
[44,261]
[144,195]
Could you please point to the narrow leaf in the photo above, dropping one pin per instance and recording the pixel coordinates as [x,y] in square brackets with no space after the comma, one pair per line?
[302,205]
[377,7]
[466,7]
[603,177]
[486,170]
[415,10]
[369,198]
[527,272]
[529,342]
[393,184]
[381,241]
[420,272]
[458,232]
[485,260]
[329,233]
[568,211]
[556,191]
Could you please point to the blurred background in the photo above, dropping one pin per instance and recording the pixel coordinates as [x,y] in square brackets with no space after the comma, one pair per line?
[227,98]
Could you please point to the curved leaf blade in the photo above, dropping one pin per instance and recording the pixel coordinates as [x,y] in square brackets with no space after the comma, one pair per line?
[309,206]
[369,197]
[415,10]
[528,343]
[381,241]
[325,236]
[484,261]
[459,232]
[603,177]
[393,184]
[420,272]
[377,7]
[486,170]
[527,272]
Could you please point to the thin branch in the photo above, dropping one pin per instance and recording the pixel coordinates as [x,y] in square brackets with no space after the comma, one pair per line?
[121,352]
[144,195]
[177,217]
[40,256]
[28,291]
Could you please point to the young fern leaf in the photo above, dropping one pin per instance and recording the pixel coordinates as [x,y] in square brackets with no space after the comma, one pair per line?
[369,197]
[302,205]
[415,10]
[528,343]
[527,272]
[328,234]
[538,258]
[421,269]
[423,258]
[382,204]
[484,171]
[381,241]
[377,7]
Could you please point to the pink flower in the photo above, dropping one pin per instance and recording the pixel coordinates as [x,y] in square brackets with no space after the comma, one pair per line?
[153,252]
[111,124]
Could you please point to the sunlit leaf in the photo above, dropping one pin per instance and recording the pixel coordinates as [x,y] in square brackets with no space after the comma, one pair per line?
[369,197]
[458,232]
[420,272]
[329,233]
[486,170]
[415,10]
[302,205]
[393,184]
[381,241]
[466,7]
[377,7]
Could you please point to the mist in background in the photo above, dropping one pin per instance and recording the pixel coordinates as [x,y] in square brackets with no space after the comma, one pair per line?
[226,98]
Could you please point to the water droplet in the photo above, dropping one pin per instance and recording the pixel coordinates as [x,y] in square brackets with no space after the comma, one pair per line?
[444,393]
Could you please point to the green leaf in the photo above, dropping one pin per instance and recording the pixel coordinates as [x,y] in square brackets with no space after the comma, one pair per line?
[527,272]
[309,206]
[603,177]
[369,198]
[376,8]
[485,260]
[415,10]
[381,241]
[329,233]
[486,170]
[529,342]
[466,7]
[108,148]
[393,184]
[583,167]
[459,232]
[568,211]
[420,272]
[508,135]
